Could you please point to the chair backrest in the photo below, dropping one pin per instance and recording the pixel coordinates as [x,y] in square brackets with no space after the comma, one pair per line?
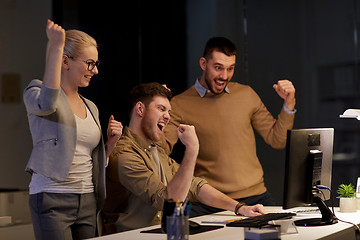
[99,223]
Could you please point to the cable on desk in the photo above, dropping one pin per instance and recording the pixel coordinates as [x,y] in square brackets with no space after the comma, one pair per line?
[319,188]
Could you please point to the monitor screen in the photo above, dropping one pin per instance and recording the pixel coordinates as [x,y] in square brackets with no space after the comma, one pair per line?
[308,164]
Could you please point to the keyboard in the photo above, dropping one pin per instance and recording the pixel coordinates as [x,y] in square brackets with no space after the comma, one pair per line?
[311,210]
[261,220]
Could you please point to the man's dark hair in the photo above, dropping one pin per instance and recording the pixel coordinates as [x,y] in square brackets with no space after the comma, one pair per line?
[144,93]
[219,44]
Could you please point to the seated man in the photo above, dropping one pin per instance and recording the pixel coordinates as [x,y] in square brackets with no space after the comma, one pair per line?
[140,175]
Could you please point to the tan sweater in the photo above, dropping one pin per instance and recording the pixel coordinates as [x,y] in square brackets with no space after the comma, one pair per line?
[225,127]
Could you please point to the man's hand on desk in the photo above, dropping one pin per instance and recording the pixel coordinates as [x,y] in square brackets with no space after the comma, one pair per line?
[250,211]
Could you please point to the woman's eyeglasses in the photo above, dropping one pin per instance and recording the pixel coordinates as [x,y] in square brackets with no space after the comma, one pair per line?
[91,63]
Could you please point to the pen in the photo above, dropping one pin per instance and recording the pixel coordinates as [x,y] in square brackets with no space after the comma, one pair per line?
[184,205]
[233,220]
[178,208]
[219,221]
[187,209]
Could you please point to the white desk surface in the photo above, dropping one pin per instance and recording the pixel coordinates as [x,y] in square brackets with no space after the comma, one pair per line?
[336,231]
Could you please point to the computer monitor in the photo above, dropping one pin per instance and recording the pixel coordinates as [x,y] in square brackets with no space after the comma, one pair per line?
[309,163]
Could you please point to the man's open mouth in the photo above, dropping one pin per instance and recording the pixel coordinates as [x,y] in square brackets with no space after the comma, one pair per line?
[161,126]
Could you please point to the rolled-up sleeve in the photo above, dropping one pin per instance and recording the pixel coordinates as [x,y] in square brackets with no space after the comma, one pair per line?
[195,186]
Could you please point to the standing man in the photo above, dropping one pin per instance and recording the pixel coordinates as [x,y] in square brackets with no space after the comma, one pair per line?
[140,175]
[225,115]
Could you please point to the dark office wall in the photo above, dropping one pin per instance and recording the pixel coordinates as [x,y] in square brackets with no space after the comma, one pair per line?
[140,41]
[273,48]
[314,44]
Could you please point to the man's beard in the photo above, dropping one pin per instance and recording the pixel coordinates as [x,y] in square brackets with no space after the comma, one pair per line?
[209,86]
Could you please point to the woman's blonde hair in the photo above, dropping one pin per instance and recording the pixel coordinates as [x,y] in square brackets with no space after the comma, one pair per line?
[76,41]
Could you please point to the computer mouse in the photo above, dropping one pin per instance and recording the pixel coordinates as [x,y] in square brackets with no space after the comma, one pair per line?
[194,225]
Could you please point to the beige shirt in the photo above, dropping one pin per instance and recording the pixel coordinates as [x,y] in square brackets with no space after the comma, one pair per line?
[135,192]
[225,126]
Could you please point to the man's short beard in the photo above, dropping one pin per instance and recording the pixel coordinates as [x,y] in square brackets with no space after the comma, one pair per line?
[209,86]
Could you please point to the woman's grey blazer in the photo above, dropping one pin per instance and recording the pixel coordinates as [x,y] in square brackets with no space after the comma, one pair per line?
[53,130]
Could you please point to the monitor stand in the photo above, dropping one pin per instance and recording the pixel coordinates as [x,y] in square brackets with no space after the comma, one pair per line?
[327,218]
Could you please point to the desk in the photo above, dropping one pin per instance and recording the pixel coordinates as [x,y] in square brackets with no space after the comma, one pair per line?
[336,231]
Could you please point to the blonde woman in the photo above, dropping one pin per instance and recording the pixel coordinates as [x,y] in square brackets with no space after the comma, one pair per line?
[69,156]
